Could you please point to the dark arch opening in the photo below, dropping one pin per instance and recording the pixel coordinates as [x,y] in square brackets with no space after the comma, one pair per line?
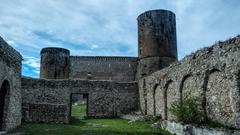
[3,91]
[165,98]
[154,98]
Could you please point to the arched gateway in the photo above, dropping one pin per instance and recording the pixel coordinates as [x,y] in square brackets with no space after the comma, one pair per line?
[3,91]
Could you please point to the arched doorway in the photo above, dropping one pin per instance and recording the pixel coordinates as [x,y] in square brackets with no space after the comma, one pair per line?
[3,92]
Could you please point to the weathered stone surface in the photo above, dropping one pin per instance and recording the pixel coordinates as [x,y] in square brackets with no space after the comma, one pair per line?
[41,98]
[219,98]
[211,72]
[172,94]
[121,69]
[105,98]
[10,75]
[179,129]
[157,34]
[157,41]
[54,63]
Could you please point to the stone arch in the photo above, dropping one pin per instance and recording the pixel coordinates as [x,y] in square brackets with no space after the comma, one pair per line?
[218,100]
[171,95]
[182,84]
[5,88]
[190,86]
[205,83]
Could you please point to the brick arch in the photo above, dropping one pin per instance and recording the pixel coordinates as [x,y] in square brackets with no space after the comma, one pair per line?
[5,88]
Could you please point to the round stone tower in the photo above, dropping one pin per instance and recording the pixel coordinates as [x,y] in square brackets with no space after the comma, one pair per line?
[55,63]
[157,41]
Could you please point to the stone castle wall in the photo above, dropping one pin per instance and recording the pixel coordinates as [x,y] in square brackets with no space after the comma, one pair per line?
[121,69]
[10,76]
[211,72]
[45,101]
[49,100]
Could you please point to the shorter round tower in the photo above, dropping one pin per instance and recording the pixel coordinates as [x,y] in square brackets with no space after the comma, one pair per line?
[157,41]
[55,63]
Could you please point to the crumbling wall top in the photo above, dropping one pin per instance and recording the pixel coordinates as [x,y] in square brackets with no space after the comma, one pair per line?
[55,50]
[9,54]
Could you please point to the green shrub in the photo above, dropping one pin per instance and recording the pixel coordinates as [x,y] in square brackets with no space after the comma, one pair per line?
[189,110]
[152,118]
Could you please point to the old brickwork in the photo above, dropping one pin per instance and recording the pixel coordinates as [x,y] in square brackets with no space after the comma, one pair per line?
[211,72]
[10,83]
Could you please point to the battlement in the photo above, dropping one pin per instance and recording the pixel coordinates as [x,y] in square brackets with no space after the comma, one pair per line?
[109,68]
[54,50]
[155,11]
[104,58]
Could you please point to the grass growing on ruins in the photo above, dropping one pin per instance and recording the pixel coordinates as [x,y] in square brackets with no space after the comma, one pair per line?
[106,126]
[79,110]
[90,126]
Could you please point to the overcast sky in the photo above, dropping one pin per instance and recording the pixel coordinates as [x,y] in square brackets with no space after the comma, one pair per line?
[109,27]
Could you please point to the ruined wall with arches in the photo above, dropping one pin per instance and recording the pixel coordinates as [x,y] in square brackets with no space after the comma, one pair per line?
[10,87]
[212,72]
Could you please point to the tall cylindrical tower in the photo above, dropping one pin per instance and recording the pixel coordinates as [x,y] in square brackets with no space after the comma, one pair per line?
[55,63]
[157,41]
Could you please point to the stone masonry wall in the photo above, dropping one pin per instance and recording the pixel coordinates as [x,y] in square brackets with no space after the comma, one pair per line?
[211,72]
[49,100]
[122,69]
[10,74]
[45,101]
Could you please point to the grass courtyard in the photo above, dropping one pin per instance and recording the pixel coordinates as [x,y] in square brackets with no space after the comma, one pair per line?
[90,126]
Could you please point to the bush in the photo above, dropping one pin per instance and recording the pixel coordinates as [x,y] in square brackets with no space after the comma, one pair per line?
[189,110]
[152,118]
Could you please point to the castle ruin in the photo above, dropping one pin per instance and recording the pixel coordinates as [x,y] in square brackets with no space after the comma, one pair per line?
[119,85]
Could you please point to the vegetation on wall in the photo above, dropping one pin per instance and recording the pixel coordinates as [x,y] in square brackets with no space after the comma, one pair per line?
[189,110]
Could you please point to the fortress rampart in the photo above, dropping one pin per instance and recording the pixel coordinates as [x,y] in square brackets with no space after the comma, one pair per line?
[211,72]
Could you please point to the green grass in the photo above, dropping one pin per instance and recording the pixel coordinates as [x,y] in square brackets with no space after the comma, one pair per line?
[90,126]
[79,110]
[104,126]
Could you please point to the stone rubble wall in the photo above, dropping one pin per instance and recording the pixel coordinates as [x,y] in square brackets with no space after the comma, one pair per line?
[45,100]
[52,98]
[10,71]
[212,72]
